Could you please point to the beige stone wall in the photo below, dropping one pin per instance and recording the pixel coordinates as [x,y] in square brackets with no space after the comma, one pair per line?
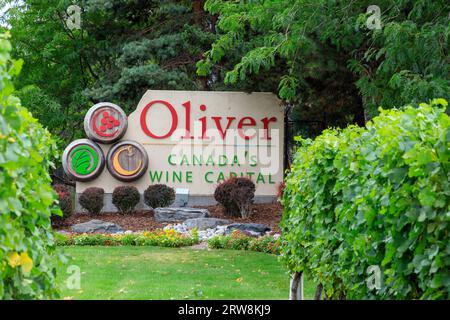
[218,104]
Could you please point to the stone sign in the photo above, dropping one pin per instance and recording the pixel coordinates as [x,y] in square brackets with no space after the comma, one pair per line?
[187,139]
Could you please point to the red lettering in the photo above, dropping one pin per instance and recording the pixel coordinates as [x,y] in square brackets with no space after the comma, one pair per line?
[219,125]
[144,119]
[187,106]
[203,121]
[266,122]
[243,123]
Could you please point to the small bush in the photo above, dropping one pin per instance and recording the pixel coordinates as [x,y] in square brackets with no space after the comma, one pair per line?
[240,241]
[236,196]
[125,198]
[92,199]
[159,195]
[65,203]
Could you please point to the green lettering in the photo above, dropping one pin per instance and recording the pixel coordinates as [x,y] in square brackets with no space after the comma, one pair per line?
[177,176]
[184,160]
[155,176]
[254,161]
[195,159]
[206,177]
[260,178]
[220,177]
[189,176]
[224,162]
[210,160]
[170,160]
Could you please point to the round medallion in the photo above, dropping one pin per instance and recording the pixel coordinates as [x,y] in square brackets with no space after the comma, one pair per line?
[83,160]
[127,160]
[105,122]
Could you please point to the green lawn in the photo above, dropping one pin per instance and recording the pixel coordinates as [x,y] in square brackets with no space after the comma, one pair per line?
[168,273]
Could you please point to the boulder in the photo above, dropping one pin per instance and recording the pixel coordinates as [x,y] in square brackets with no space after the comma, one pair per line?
[253,229]
[96,226]
[204,223]
[179,214]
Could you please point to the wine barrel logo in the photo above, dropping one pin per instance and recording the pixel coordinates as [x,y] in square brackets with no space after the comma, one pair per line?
[127,160]
[83,160]
[105,122]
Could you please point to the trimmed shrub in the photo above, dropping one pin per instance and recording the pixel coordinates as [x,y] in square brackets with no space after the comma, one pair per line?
[125,198]
[65,203]
[91,199]
[236,196]
[359,200]
[27,250]
[159,195]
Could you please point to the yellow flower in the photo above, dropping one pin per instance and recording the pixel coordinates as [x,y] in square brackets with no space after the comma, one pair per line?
[26,262]
[13,259]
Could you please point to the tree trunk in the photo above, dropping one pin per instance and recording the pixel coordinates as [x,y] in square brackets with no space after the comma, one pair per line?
[318,292]
[296,287]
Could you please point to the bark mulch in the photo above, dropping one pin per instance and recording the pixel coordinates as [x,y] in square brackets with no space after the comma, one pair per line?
[269,214]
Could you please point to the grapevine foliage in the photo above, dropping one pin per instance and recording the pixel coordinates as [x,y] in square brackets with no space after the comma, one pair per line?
[27,251]
[376,197]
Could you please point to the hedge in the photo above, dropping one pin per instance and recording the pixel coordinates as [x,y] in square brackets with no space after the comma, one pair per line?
[240,241]
[374,198]
[27,251]
[161,238]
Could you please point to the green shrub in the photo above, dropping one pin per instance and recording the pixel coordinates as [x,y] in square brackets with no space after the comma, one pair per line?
[162,238]
[91,199]
[240,241]
[361,199]
[159,195]
[125,198]
[27,251]
[236,195]
[65,203]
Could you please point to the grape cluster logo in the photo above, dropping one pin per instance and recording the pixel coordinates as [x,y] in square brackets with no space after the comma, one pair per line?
[84,160]
[105,123]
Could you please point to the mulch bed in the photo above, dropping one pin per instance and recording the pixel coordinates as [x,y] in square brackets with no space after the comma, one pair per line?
[269,214]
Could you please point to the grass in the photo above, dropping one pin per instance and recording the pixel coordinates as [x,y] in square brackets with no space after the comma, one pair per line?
[169,273]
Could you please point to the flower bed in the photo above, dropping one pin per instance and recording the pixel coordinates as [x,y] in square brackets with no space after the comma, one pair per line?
[161,238]
[240,241]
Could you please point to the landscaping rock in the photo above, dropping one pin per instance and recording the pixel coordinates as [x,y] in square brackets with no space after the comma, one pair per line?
[179,214]
[253,229]
[96,226]
[62,232]
[204,223]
